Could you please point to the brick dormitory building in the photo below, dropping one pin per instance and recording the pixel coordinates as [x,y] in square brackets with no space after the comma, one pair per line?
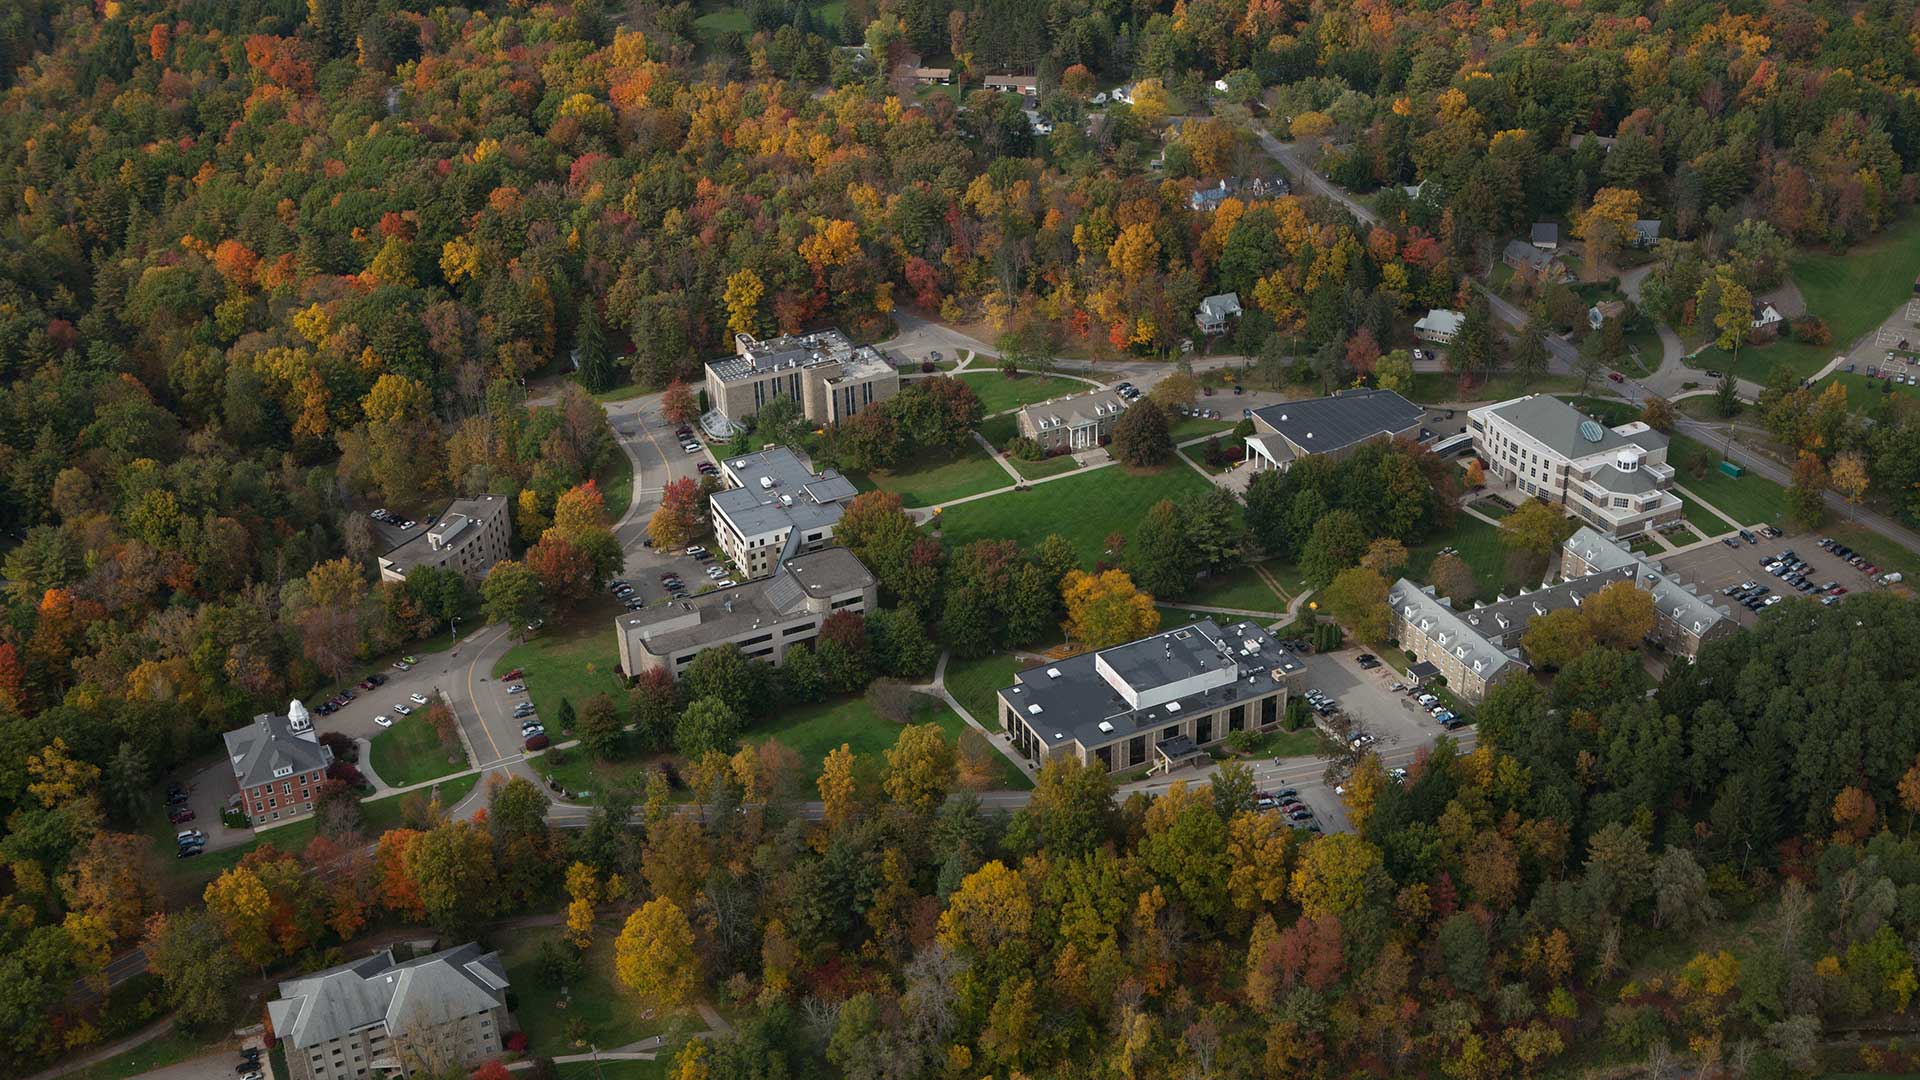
[278,763]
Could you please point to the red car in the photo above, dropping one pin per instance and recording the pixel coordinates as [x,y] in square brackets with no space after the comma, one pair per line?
[179,815]
[1615,376]
[537,742]
[514,674]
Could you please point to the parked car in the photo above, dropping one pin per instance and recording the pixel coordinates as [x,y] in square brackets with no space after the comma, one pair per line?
[514,674]
[180,815]
[383,720]
[517,688]
[402,665]
[536,742]
[417,699]
[403,710]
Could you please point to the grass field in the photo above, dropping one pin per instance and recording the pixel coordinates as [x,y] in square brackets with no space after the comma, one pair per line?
[611,1017]
[584,776]
[1306,742]
[1750,499]
[1854,292]
[1700,517]
[1705,407]
[1084,509]
[973,682]
[1878,550]
[814,731]
[1045,467]
[1183,428]
[409,752]
[573,661]
[1479,545]
[616,484]
[1429,386]
[936,476]
[1682,536]
[998,430]
[998,393]
[1611,410]
[1862,390]
[1241,587]
[722,20]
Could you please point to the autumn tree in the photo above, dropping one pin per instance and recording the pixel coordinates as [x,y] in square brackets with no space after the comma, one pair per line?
[511,593]
[654,956]
[1335,875]
[920,768]
[1534,532]
[1606,225]
[401,437]
[1658,413]
[1452,578]
[1620,615]
[1105,609]
[678,404]
[1357,599]
[1385,556]
[838,788]
[1553,640]
[1140,436]
[1849,477]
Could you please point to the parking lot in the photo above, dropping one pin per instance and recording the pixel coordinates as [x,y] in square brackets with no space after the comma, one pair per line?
[1713,567]
[1399,726]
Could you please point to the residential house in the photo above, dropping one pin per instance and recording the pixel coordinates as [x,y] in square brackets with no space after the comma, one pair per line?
[1208,199]
[765,618]
[1332,426]
[1646,232]
[278,763]
[1534,265]
[770,497]
[1604,142]
[1076,422]
[469,537]
[379,1017]
[1027,86]
[1598,314]
[1615,479]
[1158,701]
[1545,235]
[829,376]
[911,71]
[1216,313]
[1767,319]
[1438,325]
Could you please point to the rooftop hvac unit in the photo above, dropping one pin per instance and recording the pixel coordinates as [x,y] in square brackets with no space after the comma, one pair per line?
[1053,673]
[1106,727]
[1035,709]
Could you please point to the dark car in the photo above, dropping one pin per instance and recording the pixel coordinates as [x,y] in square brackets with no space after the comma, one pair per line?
[537,742]
[180,815]
[1749,537]
[514,674]
[188,852]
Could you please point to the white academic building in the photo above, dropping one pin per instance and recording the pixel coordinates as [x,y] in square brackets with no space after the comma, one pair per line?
[1615,479]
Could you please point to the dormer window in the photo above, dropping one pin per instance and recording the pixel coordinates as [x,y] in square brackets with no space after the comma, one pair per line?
[283,770]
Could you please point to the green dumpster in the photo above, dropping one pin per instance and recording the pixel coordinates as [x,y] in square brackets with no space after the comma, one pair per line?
[1731,469]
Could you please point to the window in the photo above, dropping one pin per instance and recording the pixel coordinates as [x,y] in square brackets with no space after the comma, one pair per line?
[848,602]
[801,629]
[1137,750]
[768,636]
[1170,733]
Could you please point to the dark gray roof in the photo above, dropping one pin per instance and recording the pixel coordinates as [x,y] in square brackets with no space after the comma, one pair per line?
[447,985]
[1435,619]
[1672,598]
[1647,228]
[1545,232]
[1097,698]
[1329,424]
[1557,425]
[1074,410]
[1503,620]
[716,616]
[259,751]
[1625,481]
[753,357]
[777,489]
[1521,251]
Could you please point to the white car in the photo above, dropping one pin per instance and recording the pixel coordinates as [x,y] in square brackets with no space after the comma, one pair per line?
[724,583]
[716,573]
[417,699]
[403,710]
[383,721]
[517,688]
[696,550]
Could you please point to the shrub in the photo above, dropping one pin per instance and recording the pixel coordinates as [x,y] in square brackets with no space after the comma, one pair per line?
[1812,329]
[1025,449]
[343,746]
[928,366]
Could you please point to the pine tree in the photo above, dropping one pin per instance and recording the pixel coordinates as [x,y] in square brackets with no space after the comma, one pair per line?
[590,349]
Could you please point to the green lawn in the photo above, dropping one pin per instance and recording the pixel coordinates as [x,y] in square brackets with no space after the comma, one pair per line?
[1702,407]
[973,683]
[409,752]
[998,393]
[936,476]
[573,660]
[656,1069]
[998,430]
[1240,587]
[1084,509]
[1183,428]
[612,1018]
[1853,291]
[1491,507]
[1479,545]
[721,20]
[1750,500]
[1699,516]
[1612,411]
[584,776]
[1306,742]
[1644,340]
[616,484]
[1862,390]
[814,731]
[1430,386]
[1682,536]
[1045,467]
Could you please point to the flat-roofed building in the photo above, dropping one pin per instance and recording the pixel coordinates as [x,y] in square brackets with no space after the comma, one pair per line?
[1614,479]
[278,763]
[764,618]
[1329,425]
[770,496]
[1157,701]
[380,1018]
[469,537]
[1075,422]
[830,377]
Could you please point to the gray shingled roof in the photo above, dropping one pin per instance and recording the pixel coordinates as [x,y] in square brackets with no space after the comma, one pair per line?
[271,743]
[1671,597]
[1556,424]
[452,983]
[1074,410]
[1545,232]
[1522,251]
[1434,619]
[1329,424]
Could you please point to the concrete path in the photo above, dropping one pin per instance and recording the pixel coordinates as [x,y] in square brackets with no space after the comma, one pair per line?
[997,739]
[997,456]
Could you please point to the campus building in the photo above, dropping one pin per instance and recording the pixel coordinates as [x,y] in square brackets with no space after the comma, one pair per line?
[1158,701]
[765,618]
[470,536]
[1333,426]
[1075,422]
[1614,479]
[378,1017]
[771,496]
[828,375]
[278,763]
[1477,649]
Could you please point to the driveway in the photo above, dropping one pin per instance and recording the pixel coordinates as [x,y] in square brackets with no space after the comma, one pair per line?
[214,1065]
[207,793]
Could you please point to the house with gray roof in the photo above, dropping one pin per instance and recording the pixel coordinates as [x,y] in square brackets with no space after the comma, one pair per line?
[1615,479]
[1216,313]
[1471,661]
[1535,263]
[1646,232]
[1074,422]
[771,495]
[278,763]
[378,1017]
[1158,701]
[1329,425]
[1545,235]
[766,618]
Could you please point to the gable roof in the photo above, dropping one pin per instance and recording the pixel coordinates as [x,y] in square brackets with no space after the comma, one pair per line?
[1074,410]
[1672,599]
[1545,232]
[447,985]
[1329,424]
[1221,305]
[275,746]
[1522,252]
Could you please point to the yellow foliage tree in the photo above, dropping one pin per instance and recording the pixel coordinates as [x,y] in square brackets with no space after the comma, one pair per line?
[833,243]
[837,786]
[744,290]
[991,908]
[1335,874]
[1150,101]
[57,777]
[1607,225]
[920,768]
[311,322]
[1134,252]
[459,260]
[654,958]
[239,901]
[1106,609]
[1848,476]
